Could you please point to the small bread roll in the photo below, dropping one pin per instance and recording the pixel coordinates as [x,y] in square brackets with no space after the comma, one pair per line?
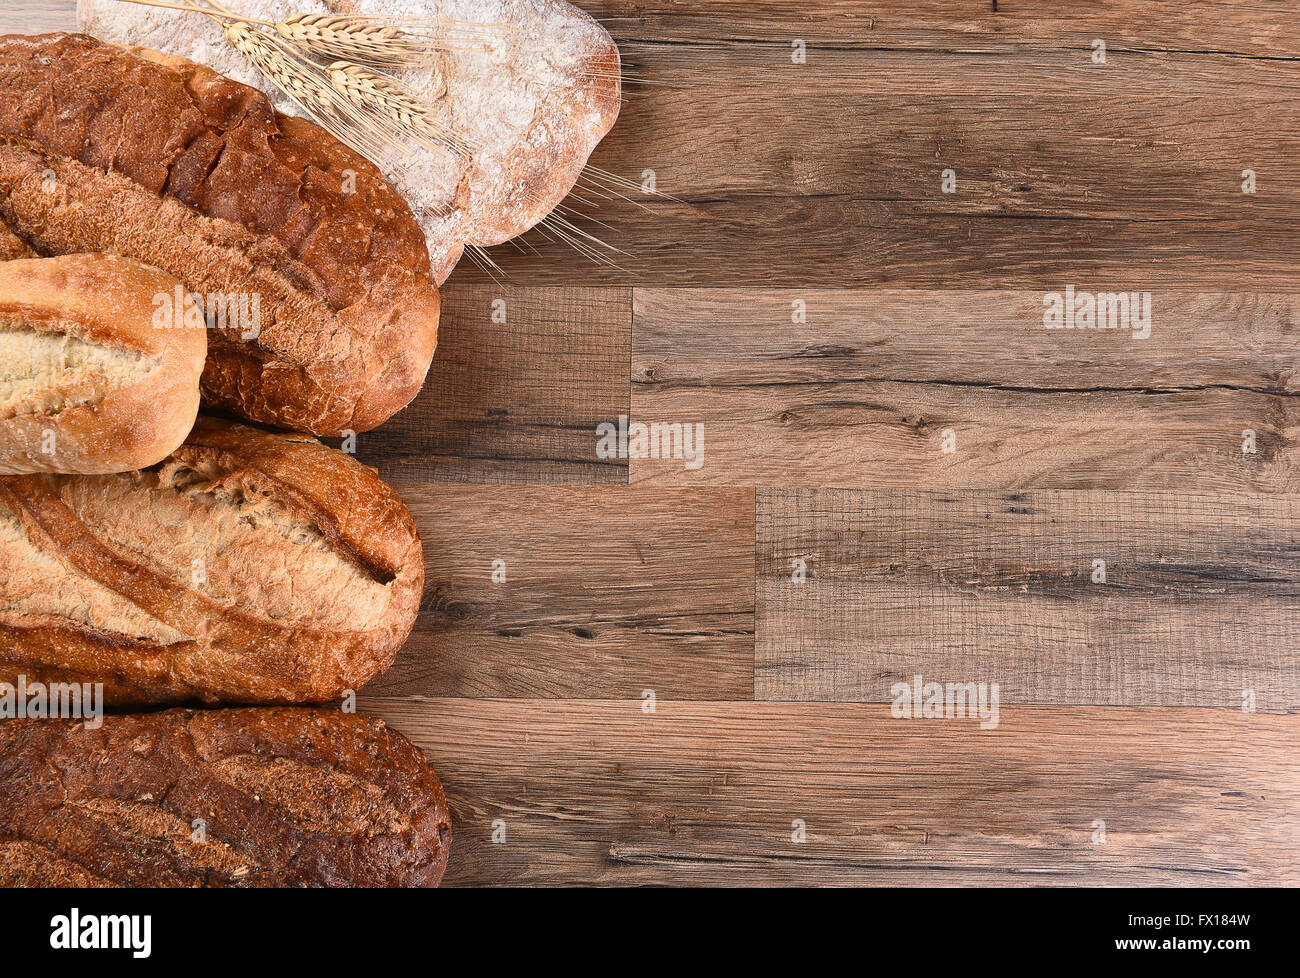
[100,360]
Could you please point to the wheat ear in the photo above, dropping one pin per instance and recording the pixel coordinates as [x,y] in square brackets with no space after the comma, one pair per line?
[308,84]
[348,39]
[394,102]
[383,94]
[288,76]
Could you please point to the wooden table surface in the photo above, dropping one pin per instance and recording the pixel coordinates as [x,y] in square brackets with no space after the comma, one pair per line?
[685,675]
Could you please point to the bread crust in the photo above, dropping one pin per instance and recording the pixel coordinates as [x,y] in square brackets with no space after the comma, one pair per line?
[165,161]
[247,568]
[530,91]
[285,797]
[105,425]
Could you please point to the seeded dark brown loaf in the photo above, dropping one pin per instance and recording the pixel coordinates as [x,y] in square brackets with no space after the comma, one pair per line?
[286,797]
[135,153]
[246,568]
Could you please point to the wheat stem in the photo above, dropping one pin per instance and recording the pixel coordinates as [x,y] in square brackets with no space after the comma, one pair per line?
[381,93]
[219,14]
[308,84]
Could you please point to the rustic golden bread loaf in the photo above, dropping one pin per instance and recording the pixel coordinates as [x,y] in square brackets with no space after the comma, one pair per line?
[218,798]
[92,380]
[165,161]
[246,568]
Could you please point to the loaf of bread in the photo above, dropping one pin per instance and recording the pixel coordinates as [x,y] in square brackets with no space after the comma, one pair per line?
[246,568]
[100,359]
[167,162]
[246,798]
[12,246]
[526,87]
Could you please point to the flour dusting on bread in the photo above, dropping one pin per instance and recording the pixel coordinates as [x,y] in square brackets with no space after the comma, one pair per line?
[532,86]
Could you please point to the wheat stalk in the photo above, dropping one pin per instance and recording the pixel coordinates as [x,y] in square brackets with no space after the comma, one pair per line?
[395,103]
[384,112]
[374,113]
[344,93]
[383,94]
[386,97]
[342,37]
[308,84]
[378,38]
[289,77]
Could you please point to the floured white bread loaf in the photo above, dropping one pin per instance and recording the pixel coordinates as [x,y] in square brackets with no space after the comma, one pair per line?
[531,86]
[92,379]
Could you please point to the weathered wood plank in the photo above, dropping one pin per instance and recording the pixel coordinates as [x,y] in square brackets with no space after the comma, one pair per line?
[37,16]
[601,793]
[1264,29]
[519,400]
[655,69]
[607,592]
[843,242]
[824,132]
[1201,600]
[829,172]
[864,392]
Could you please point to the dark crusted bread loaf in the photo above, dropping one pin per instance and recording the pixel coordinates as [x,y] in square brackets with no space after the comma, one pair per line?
[245,568]
[252,797]
[158,159]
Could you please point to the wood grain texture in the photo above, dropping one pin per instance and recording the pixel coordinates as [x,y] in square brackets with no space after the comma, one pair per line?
[37,16]
[1263,29]
[1113,156]
[848,66]
[862,393]
[515,401]
[600,793]
[755,241]
[829,172]
[608,592]
[1201,600]
[923,312]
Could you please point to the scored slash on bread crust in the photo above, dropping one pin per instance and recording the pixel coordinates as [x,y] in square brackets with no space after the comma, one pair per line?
[286,797]
[247,568]
[90,383]
[165,161]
